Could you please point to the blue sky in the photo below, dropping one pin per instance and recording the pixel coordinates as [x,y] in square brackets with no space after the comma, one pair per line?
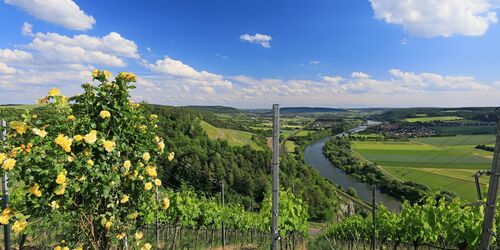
[250,54]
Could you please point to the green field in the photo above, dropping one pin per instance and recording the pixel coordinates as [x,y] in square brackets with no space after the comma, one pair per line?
[233,137]
[441,163]
[290,146]
[433,118]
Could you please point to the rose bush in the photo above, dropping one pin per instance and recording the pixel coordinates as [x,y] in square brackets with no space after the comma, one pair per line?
[92,157]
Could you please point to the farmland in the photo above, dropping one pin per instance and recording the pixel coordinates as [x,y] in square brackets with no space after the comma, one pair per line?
[433,118]
[441,163]
[233,137]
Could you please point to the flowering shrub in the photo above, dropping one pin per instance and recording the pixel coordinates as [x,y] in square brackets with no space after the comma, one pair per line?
[91,157]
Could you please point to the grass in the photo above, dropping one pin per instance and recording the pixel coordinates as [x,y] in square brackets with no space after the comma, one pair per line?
[441,163]
[290,146]
[21,106]
[434,118]
[233,137]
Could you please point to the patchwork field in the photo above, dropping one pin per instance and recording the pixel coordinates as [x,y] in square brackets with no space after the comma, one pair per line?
[233,137]
[433,118]
[441,163]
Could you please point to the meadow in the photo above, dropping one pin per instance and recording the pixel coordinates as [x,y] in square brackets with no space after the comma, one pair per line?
[233,137]
[434,118]
[441,163]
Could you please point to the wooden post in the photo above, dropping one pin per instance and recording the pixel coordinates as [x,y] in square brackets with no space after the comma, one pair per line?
[275,237]
[223,227]
[5,188]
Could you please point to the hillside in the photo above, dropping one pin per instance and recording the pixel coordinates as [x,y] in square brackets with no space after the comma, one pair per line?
[233,137]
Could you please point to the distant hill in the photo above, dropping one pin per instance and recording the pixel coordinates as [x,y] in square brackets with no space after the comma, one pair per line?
[288,110]
[216,109]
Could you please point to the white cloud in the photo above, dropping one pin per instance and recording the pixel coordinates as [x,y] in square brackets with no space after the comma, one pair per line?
[4,69]
[430,18]
[314,62]
[176,69]
[8,55]
[27,29]
[62,12]
[360,75]
[263,40]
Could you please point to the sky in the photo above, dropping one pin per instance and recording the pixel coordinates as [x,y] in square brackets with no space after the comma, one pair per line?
[251,54]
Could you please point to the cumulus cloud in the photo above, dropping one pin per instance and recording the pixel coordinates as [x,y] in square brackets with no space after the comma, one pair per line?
[175,69]
[430,18]
[360,75]
[27,29]
[61,12]
[263,40]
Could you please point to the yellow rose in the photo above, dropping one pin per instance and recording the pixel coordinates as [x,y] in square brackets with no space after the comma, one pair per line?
[79,248]
[133,215]
[151,171]
[57,248]
[153,117]
[165,203]
[91,137]
[146,156]
[90,162]
[60,189]
[35,190]
[39,132]
[78,138]
[108,225]
[61,178]
[2,157]
[104,114]
[8,164]
[158,182]
[54,205]
[138,235]
[161,146]
[148,186]
[71,117]
[5,216]
[19,226]
[121,235]
[124,199]
[64,142]
[54,92]
[127,76]
[171,156]
[127,164]
[20,127]
[109,145]
[146,246]
[95,73]
[107,74]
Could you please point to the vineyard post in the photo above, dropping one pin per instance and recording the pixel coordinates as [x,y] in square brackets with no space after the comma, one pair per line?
[374,236]
[5,190]
[222,225]
[157,229]
[491,202]
[275,237]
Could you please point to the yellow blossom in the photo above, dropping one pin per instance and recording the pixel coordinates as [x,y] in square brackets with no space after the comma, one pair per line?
[124,199]
[54,205]
[90,162]
[108,225]
[104,114]
[165,203]
[70,158]
[146,156]
[161,146]
[171,156]
[146,246]
[54,92]
[40,132]
[157,139]
[91,137]
[79,248]
[20,127]
[138,235]
[71,117]
[64,142]
[19,226]
[57,248]
[5,216]
[78,138]
[60,189]
[127,165]
[107,74]
[8,164]
[61,178]
[127,76]
[35,190]
[158,182]
[95,73]
[121,235]
[148,186]
[153,117]
[133,215]
[151,171]
[109,145]
[3,156]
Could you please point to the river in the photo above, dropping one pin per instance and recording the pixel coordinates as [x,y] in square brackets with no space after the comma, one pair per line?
[313,156]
